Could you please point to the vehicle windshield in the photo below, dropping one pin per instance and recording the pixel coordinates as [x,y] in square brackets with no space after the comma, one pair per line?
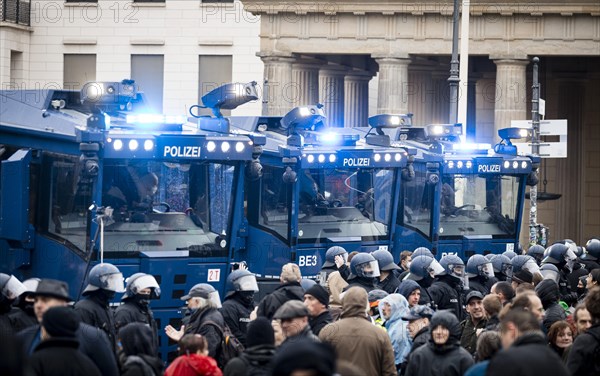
[418,202]
[157,206]
[475,205]
[333,203]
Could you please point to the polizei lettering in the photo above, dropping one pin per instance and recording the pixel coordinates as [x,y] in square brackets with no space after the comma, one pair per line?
[182,151]
[488,168]
[357,162]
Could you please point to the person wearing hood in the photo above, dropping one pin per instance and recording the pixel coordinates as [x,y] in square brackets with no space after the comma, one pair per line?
[57,353]
[138,351]
[204,318]
[356,340]
[443,354]
[388,271]
[525,350]
[289,289]
[193,359]
[392,308]
[104,281]
[548,292]
[411,291]
[141,287]
[364,270]
[239,302]
[260,349]
[423,270]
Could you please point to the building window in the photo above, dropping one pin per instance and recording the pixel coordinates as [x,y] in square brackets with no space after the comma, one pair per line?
[215,70]
[148,73]
[78,69]
[17,76]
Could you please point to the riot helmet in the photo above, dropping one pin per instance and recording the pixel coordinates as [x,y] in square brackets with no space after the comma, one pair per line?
[336,250]
[10,287]
[423,267]
[502,265]
[31,285]
[560,255]
[453,266]
[364,265]
[140,281]
[490,256]
[479,265]
[422,251]
[105,277]
[525,262]
[509,254]
[592,249]
[550,271]
[241,280]
[385,260]
[537,252]
[204,291]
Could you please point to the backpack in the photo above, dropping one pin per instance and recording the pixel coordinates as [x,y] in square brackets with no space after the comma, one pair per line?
[230,347]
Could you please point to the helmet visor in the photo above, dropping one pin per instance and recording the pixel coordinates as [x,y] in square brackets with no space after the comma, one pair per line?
[370,269]
[435,268]
[215,298]
[531,266]
[145,282]
[486,270]
[113,282]
[247,283]
[550,274]
[13,288]
[456,270]
[507,270]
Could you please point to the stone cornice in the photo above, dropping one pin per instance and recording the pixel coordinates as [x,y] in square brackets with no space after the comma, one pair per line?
[421,7]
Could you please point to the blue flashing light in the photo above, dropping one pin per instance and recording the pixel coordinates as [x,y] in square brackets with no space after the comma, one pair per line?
[390,120]
[155,119]
[332,138]
[443,130]
[473,147]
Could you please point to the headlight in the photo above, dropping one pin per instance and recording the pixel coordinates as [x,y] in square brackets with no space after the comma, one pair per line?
[118,145]
[225,147]
[148,145]
[133,145]
[239,147]
[211,146]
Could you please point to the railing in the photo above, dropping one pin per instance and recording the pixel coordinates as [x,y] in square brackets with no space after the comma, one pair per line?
[16,11]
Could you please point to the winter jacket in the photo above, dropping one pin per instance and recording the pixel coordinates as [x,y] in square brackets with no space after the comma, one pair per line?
[142,365]
[60,357]
[468,338]
[319,322]
[254,361]
[236,313]
[134,311]
[584,357]
[21,320]
[92,342]
[426,298]
[447,293]
[548,292]
[305,333]
[475,284]
[357,340]
[95,311]
[203,322]
[389,284]
[271,303]
[579,270]
[335,285]
[449,359]
[396,327]
[193,365]
[366,283]
[590,264]
[528,355]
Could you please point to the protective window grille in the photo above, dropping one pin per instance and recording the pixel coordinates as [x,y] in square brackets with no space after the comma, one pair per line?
[16,11]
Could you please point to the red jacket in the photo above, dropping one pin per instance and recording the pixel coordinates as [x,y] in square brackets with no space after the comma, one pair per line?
[193,365]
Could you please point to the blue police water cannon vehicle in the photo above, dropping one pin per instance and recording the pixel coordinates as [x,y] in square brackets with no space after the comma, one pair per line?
[465,198]
[90,176]
[321,187]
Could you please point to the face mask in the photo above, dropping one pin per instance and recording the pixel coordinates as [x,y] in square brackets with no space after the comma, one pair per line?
[247,297]
[107,294]
[142,299]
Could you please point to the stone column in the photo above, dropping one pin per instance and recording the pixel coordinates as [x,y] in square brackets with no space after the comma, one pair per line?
[356,99]
[305,83]
[279,91]
[331,93]
[392,96]
[511,92]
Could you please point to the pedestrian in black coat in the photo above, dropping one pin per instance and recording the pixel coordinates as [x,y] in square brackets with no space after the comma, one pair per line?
[236,311]
[57,354]
[548,292]
[447,293]
[316,299]
[290,289]
[94,310]
[526,350]
[256,358]
[138,351]
[584,357]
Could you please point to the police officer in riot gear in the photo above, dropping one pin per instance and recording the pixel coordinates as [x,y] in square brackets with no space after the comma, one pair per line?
[141,287]
[423,270]
[24,316]
[104,281]
[364,269]
[525,262]
[330,265]
[578,269]
[481,274]
[10,289]
[591,257]
[561,256]
[388,279]
[537,252]
[239,302]
[502,267]
[447,292]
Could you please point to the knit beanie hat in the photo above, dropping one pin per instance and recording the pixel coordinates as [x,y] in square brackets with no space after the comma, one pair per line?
[60,322]
[260,332]
[319,293]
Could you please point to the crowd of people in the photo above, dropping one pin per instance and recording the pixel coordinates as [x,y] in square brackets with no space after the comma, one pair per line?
[533,313]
